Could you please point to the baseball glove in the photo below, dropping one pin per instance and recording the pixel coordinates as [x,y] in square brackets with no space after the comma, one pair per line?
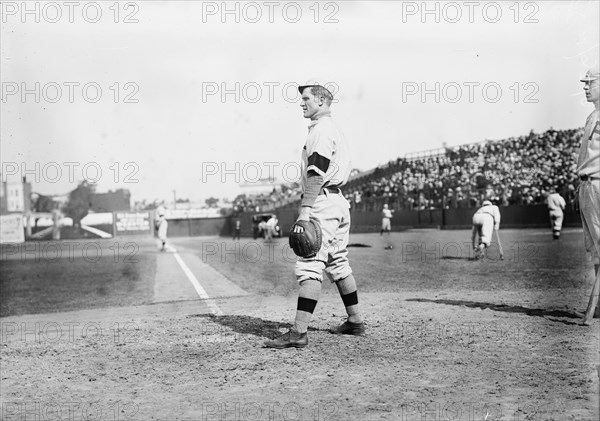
[307,243]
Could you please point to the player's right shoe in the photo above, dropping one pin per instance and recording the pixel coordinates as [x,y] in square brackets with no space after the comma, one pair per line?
[290,339]
[349,328]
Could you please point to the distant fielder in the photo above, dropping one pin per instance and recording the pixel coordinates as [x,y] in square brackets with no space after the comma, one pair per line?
[271,228]
[556,206]
[588,169]
[485,221]
[237,229]
[386,220]
[325,168]
[161,225]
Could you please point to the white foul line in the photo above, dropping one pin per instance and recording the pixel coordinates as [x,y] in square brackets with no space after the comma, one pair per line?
[214,308]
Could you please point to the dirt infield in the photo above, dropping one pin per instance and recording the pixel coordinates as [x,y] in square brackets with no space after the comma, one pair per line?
[448,339]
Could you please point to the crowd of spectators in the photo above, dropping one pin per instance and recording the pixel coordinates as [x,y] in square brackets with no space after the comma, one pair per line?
[264,202]
[515,171]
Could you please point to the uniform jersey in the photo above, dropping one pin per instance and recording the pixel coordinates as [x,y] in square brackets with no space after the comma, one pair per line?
[387,213]
[556,202]
[589,154]
[491,210]
[326,153]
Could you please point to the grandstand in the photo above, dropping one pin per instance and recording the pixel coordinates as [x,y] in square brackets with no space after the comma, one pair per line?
[513,171]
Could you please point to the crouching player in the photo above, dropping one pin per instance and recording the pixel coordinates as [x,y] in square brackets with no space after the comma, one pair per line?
[485,221]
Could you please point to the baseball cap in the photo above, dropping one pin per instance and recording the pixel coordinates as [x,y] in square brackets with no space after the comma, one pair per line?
[591,74]
[486,203]
[316,81]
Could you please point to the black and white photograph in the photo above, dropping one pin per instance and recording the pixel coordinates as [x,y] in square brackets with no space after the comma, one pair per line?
[299,210]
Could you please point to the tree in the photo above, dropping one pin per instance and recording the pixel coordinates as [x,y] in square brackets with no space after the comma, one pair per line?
[43,203]
[79,202]
[211,202]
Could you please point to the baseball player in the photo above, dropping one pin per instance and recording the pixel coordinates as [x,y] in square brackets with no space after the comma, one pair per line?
[270,228]
[588,169]
[325,168]
[262,228]
[485,221]
[556,205]
[237,229]
[161,225]
[386,224]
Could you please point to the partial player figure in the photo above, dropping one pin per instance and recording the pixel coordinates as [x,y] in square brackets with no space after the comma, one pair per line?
[485,221]
[161,226]
[556,205]
[386,220]
[237,230]
[588,170]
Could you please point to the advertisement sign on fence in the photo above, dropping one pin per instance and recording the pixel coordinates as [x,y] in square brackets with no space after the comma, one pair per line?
[11,228]
[132,223]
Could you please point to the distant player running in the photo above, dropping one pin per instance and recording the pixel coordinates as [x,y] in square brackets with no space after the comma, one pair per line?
[556,205]
[485,221]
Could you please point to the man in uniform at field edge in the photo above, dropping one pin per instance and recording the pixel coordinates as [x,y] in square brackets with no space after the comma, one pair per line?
[588,170]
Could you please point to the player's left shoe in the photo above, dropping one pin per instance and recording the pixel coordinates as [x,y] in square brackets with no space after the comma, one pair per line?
[349,328]
[290,339]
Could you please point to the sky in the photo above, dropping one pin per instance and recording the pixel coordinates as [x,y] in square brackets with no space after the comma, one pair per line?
[198,97]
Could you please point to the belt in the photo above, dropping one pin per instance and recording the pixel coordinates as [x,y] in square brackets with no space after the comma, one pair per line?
[330,189]
[586,177]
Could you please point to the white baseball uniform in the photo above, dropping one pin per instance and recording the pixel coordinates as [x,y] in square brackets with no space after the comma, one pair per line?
[326,153]
[556,205]
[270,230]
[588,166]
[485,220]
[386,224]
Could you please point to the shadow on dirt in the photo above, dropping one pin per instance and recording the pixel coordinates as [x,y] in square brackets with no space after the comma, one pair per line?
[458,258]
[539,312]
[252,325]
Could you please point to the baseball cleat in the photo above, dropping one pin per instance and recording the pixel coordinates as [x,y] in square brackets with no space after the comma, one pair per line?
[349,328]
[290,339]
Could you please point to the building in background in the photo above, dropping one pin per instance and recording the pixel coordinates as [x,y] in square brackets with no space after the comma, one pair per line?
[15,196]
[118,200]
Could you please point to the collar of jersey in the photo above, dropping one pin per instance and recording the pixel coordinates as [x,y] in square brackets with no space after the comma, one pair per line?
[314,122]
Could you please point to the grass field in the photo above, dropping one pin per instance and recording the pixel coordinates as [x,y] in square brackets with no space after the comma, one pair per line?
[447,337]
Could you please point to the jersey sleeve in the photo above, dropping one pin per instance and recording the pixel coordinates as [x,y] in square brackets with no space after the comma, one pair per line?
[319,150]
